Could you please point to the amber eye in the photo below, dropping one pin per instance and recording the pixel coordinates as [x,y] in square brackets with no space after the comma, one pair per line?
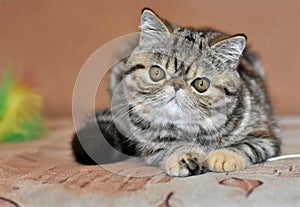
[156,73]
[201,84]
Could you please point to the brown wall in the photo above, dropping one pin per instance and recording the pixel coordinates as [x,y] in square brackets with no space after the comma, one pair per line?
[49,40]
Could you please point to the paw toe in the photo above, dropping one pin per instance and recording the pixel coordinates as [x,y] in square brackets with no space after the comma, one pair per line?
[225,160]
[191,163]
[178,170]
[184,164]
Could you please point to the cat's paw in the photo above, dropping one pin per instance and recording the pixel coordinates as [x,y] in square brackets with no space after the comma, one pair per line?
[224,161]
[184,163]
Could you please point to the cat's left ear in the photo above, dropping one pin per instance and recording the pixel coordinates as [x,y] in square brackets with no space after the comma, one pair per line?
[230,49]
[153,28]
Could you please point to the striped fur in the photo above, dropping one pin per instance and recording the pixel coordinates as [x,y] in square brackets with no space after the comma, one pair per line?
[227,127]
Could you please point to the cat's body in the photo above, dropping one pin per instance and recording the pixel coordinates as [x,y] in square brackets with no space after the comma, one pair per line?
[188,101]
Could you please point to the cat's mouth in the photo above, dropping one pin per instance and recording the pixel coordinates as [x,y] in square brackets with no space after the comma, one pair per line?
[173,100]
[172,107]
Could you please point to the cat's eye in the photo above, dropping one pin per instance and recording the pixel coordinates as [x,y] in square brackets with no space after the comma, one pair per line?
[201,84]
[156,73]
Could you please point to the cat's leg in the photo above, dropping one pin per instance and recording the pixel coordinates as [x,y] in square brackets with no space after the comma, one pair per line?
[180,160]
[250,150]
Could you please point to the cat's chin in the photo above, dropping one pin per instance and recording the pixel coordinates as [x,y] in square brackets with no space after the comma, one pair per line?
[172,110]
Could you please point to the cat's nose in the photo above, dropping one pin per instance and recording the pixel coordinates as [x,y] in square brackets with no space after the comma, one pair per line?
[177,86]
[177,83]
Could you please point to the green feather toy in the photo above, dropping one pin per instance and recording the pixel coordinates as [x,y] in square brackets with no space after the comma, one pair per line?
[20,111]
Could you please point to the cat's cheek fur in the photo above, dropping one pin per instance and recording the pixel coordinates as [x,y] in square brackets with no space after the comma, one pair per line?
[223,160]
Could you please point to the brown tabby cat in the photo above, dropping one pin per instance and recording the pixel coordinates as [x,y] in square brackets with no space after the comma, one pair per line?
[186,100]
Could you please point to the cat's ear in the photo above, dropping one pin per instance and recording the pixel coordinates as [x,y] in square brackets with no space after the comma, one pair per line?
[230,49]
[153,28]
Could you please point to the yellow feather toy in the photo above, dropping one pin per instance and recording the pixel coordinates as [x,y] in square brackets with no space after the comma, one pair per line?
[20,111]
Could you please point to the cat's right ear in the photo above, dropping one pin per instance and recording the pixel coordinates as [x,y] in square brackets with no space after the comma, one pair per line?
[153,28]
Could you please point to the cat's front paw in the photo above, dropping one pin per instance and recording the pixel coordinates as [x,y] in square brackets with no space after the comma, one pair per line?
[183,163]
[224,161]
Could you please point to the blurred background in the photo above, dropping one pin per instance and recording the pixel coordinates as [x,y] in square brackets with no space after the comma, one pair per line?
[47,42]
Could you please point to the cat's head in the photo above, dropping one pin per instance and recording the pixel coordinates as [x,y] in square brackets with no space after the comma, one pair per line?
[181,75]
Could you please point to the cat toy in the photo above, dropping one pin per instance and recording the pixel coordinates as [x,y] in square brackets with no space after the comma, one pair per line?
[20,111]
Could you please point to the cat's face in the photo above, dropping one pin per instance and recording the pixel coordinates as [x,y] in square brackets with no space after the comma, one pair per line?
[182,76]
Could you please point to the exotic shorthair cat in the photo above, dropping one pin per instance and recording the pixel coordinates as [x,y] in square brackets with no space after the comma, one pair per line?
[186,100]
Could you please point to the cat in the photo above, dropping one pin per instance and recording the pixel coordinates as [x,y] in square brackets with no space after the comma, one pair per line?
[186,100]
